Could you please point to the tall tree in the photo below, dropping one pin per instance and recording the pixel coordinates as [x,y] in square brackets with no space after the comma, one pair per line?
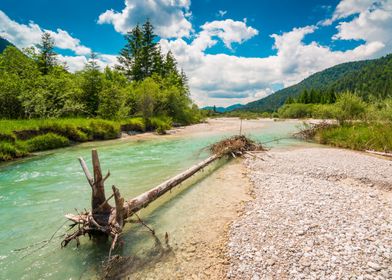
[91,85]
[129,58]
[46,55]
[149,50]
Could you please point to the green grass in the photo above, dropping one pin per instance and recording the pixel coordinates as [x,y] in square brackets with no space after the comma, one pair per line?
[133,124]
[159,124]
[358,136]
[47,142]
[20,137]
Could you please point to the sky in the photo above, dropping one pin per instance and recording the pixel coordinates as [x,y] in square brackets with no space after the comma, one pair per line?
[232,51]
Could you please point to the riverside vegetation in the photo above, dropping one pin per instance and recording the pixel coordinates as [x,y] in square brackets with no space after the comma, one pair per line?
[44,106]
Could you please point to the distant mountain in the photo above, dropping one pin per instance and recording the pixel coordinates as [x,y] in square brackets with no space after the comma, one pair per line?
[224,109]
[368,77]
[3,44]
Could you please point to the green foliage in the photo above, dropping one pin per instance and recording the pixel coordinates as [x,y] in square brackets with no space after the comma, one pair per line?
[358,136]
[46,57]
[10,151]
[46,142]
[349,107]
[133,124]
[112,103]
[296,110]
[159,124]
[147,83]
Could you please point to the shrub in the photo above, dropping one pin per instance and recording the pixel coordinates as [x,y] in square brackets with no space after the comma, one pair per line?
[296,110]
[134,124]
[160,124]
[70,131]
[46,142]
[10,151]
[102,130]
[349,107]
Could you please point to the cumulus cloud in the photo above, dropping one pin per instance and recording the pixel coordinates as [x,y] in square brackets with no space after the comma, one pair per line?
[223,79]
[372,24]
[170,17]
[25,35]
[229,31]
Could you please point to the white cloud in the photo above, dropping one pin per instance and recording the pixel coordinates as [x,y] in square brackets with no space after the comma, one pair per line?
[25,35]
[170,17]
[227,79]
[373,24]
[229,31]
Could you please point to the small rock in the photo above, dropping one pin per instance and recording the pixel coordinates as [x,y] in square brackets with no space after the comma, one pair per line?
[374,266]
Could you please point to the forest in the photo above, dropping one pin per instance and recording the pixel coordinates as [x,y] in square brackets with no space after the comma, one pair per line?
[44,106]
[145,83]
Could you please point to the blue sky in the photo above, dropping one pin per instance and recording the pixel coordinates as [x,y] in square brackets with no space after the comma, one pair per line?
[232,51]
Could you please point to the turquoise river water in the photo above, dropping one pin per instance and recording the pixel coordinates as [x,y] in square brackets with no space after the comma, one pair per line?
[35,193]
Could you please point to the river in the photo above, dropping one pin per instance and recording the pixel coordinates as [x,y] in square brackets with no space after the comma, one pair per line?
[36,192]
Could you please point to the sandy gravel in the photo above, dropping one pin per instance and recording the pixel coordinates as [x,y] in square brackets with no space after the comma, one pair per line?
[318,213]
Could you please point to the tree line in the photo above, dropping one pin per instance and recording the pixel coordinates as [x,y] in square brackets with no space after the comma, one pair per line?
[314,96]
[145,82]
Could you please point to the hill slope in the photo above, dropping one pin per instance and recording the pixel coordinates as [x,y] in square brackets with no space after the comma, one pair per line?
[368,77]
[3,44]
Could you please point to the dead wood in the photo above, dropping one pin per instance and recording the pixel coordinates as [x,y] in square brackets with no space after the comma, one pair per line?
[106,220]
[309,130]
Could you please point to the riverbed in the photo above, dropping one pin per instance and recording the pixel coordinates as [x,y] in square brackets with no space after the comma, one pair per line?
[36,192]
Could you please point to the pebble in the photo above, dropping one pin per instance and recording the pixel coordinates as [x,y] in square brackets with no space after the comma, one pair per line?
[318,213]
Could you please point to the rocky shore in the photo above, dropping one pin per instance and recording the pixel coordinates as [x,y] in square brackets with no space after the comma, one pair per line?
[318,213]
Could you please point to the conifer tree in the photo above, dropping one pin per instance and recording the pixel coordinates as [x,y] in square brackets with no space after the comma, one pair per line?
[46,55]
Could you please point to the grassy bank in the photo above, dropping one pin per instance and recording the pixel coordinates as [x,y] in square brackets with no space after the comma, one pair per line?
[358,136]
[19,138]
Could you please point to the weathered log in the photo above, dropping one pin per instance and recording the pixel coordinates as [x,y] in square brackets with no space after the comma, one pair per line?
[103,219]
[110,220]
[379,153]
[141,201]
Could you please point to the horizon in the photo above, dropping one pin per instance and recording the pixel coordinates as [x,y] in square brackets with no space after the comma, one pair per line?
[232,55]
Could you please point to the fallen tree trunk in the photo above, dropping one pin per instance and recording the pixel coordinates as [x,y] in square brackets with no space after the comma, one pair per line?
[106,220]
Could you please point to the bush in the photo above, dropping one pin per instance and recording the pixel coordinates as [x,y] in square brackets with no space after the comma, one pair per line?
[349,107]
[134,124]
[103,130]
[324,111]
[46,142]
[159,124]
[10,151]
[70,131]
[296,111]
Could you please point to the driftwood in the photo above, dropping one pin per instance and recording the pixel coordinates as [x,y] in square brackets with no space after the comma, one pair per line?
[108,221]
[379,153]
[309,130]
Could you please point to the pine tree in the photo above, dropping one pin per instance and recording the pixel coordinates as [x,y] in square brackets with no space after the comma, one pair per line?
[46,54]
[149,50]
[91,85]
[170,64]
[129,58]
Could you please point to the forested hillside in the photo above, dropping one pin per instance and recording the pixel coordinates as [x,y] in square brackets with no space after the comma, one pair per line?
[366,78]
[145,83]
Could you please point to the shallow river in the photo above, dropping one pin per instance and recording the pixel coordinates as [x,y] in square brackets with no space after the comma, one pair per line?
[35,193]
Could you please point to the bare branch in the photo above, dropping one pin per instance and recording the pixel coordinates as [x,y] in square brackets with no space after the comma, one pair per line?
[86,171]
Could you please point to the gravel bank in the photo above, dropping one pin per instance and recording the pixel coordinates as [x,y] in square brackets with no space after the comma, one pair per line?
[318,213]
